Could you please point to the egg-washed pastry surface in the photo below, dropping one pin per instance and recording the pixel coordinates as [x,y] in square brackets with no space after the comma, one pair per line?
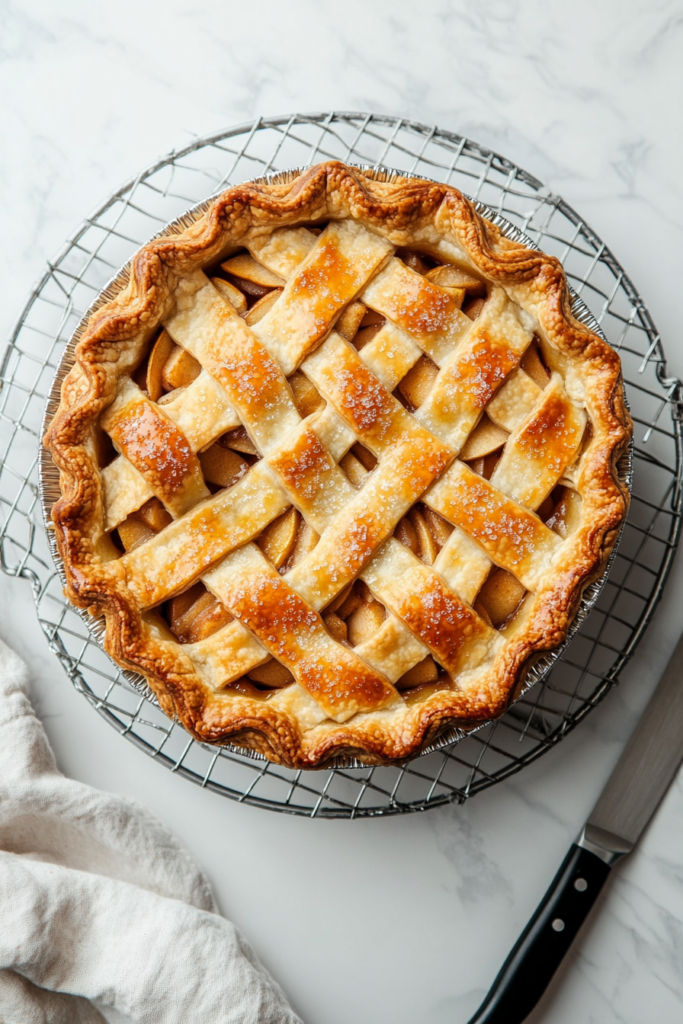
[336,461]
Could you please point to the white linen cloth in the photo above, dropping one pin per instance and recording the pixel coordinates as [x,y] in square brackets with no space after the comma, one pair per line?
[103,914]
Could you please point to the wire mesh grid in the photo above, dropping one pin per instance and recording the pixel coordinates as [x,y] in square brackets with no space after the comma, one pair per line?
[588,666]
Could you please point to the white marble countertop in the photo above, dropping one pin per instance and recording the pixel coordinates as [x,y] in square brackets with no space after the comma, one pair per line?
[409,918]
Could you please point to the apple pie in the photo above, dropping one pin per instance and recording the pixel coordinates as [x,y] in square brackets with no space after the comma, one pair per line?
[336,464]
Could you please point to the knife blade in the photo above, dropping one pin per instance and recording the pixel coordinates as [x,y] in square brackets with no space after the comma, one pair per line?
[644,772]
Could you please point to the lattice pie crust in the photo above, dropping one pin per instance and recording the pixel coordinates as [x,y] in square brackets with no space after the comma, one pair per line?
[336,461]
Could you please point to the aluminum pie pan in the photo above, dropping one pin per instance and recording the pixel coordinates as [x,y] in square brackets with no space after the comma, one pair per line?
[538,666]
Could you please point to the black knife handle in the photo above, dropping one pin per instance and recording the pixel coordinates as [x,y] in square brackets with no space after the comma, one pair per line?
[526,973]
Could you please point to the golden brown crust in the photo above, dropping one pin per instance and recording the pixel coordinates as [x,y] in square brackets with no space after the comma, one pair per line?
[406,212]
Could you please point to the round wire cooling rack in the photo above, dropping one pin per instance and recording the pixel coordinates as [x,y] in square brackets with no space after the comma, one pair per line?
[587,667]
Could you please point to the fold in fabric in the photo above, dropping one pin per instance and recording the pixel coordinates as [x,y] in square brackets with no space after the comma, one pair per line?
[104,916]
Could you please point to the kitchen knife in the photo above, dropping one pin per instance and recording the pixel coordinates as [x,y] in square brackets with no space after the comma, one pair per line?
[642,776]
